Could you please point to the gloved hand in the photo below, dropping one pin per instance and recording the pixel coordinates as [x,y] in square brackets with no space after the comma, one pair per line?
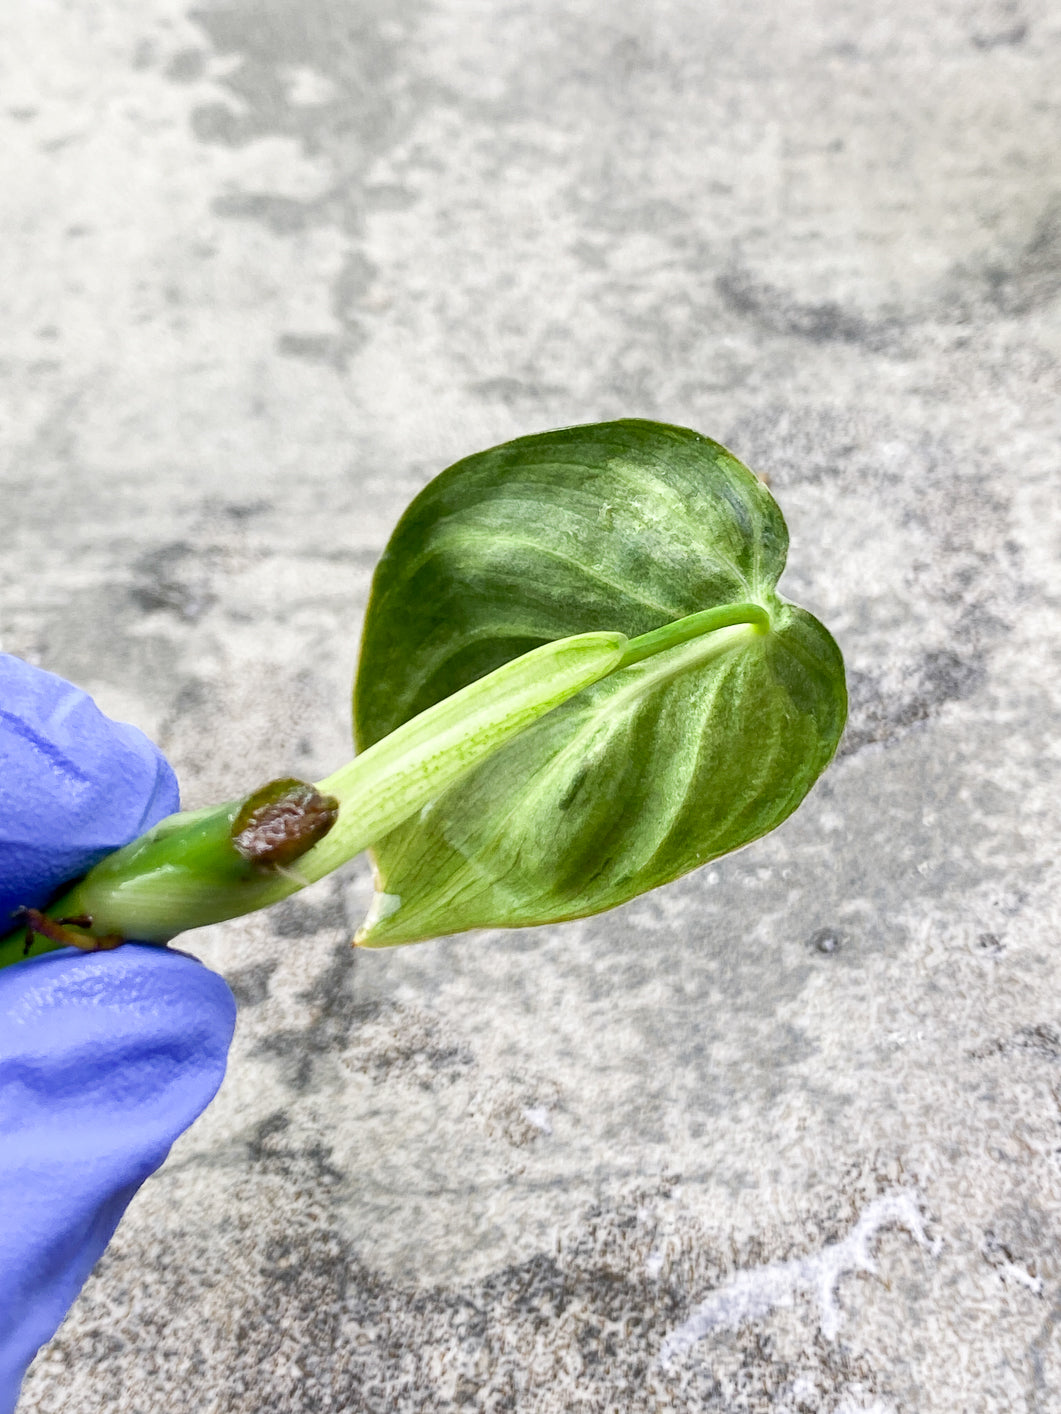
[105,1058]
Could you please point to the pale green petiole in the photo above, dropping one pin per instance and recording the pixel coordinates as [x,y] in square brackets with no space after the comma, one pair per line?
[186,873]
[694,626]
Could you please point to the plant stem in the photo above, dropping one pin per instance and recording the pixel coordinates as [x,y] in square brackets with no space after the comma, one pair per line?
[186,872]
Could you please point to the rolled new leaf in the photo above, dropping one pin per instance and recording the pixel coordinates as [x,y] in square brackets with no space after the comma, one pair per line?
[207,865]
[706,739]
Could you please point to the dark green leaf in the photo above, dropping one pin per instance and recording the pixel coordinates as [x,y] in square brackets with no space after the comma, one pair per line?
[672,760]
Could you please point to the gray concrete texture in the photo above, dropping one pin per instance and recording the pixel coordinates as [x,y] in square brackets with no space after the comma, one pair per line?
[785,1135]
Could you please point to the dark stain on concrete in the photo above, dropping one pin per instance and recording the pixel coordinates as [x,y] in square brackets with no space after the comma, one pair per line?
[779,312]
[335,1013]
[416,1050]
[172,578]
[280,214]
[329,349]
[877,713]
[361,112]
[310,1326]
[269,1150]
[297,918]
[999,24]
[1032,278]
[1013,34]
[250,985]
[1042,1039]
[186,66]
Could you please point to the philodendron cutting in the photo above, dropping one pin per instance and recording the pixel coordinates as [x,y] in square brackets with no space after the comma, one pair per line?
[577,682]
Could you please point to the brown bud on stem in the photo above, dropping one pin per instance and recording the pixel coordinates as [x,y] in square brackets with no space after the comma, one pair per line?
[281,821]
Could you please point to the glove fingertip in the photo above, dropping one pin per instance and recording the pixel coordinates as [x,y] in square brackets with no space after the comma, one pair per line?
[105,1059]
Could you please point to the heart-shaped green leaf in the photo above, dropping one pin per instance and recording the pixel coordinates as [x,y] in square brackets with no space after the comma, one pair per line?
[706,739]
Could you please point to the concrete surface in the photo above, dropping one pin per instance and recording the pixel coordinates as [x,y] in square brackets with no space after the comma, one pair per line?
[786,1135]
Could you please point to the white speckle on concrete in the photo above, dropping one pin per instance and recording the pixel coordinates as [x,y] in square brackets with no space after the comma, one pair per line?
[538,1117]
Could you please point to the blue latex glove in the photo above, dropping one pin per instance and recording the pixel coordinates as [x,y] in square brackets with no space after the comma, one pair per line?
[105,1058]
